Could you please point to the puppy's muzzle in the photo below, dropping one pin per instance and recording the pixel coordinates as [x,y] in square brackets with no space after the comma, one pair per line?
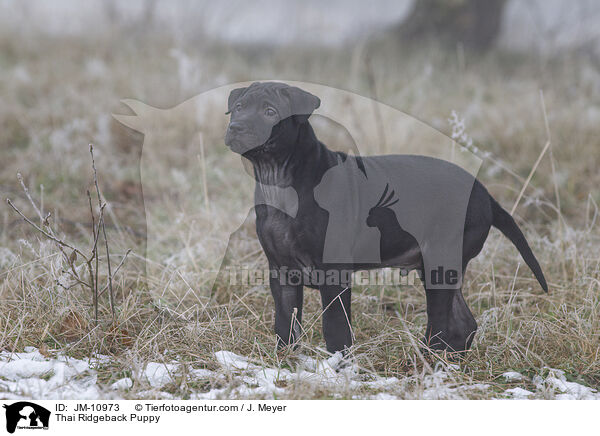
[239,138]
[235,127]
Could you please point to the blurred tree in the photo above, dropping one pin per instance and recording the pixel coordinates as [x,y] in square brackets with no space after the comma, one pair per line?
[474,23]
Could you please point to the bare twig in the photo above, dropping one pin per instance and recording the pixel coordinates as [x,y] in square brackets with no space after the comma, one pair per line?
[95,258]
[91,212]
[116,270]
[79,281]
[110,287]
[91,260]
[26,190]
[43,232]
[101,224]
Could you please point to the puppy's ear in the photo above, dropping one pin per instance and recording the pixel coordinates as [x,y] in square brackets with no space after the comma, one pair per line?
[233,97]
[301,102]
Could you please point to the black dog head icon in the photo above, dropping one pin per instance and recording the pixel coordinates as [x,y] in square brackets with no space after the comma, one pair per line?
[32,414]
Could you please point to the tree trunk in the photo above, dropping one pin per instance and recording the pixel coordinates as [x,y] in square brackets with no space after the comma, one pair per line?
[474,23]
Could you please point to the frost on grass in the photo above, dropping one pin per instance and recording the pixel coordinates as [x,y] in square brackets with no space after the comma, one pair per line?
[7,258]
[31,375]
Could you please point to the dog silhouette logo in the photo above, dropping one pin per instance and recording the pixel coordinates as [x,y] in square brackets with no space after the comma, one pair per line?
[205,178]
[26,415]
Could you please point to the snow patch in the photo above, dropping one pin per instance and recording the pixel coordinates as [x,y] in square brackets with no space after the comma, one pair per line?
[512,376]
[159,374]
[518,393]
[439,386]
[122,384]
[31,375]
[554,386]
[557,386]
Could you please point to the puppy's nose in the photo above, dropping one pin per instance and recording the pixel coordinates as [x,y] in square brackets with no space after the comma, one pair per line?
[235,127]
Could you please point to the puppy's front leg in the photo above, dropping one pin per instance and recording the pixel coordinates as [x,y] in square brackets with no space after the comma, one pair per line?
[288,312]
[337,320]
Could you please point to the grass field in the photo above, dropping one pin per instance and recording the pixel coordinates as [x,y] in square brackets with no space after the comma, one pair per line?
[58,94]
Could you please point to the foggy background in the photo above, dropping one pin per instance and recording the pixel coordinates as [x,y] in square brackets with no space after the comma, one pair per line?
[526,24]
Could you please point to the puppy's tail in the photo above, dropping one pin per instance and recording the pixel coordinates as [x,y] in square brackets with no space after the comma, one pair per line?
[504,222]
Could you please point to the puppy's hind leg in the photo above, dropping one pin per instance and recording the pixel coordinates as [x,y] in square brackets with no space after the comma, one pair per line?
[450,324]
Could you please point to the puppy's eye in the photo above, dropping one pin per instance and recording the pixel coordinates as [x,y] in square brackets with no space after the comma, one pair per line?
[270,112]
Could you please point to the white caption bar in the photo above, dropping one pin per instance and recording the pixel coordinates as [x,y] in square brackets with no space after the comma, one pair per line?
[298,417]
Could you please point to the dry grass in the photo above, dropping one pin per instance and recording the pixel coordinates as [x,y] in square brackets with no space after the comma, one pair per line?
[57,98]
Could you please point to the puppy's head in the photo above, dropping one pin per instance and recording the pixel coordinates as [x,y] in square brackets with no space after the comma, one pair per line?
[266,116]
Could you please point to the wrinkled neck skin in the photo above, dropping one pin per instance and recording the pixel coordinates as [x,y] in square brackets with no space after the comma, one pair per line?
[297,161]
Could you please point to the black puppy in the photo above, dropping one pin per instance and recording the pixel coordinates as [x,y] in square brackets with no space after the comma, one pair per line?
[316,211]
